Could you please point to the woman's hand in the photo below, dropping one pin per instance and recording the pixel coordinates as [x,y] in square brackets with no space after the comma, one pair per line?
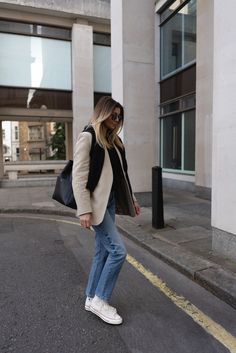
[137,208]
[85,220]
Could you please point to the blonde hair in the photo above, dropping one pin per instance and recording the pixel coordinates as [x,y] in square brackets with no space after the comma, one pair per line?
[103,110]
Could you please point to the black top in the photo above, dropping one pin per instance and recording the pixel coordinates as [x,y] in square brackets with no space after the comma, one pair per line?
[97,156]
[116,168]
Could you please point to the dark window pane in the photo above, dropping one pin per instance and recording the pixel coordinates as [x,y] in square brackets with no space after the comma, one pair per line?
[102,39]
[189,102]
[16,27]
[172,142]
[98,95]
[35,98]
[170,107]
[189,140]
[178,85]
[35,30]
[54,32]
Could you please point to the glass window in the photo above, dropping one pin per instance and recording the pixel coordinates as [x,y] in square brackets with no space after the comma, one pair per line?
[35,98]
[170,107]
[181,103]
[102,39]
[34,62]
[178,39]
[189,102]
[171,49]
[189,140]
[35,30]
[98,96]
[102,68]
[189,15]
[178,142]
[172,127]
[35,133]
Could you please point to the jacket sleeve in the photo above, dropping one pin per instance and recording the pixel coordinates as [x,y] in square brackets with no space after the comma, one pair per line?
[80,173]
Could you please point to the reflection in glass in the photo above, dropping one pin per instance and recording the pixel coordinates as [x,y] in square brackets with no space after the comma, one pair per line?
[34,62]
[190,32]
[102,68]
[178,39]
[171,39]
[35,98]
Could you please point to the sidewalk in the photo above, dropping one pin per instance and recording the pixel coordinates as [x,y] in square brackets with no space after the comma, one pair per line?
[184,243]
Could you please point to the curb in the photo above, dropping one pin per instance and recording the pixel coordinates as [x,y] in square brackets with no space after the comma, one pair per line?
[206,273]
[37,211]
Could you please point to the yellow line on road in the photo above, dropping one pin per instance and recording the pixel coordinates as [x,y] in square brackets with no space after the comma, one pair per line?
[216,330]
[209,325]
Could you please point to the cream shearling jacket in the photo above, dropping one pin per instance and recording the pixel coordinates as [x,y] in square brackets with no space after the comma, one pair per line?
[96,202]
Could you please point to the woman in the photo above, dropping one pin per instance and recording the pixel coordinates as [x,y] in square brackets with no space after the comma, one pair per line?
[101,188]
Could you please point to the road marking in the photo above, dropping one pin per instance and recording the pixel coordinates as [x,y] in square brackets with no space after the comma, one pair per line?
[214,329]
[209,325]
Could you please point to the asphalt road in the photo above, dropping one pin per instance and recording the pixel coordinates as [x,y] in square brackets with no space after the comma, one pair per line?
[44,264]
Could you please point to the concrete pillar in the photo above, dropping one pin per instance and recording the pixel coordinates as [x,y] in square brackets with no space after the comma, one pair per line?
[82,68]
[224,130]
[69,140]
[204,94]
[1,152]
[133,83]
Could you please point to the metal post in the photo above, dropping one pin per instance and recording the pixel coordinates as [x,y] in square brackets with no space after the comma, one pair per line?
[157,198]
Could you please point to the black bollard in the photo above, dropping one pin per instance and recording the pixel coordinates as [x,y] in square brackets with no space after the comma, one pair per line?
[157,198]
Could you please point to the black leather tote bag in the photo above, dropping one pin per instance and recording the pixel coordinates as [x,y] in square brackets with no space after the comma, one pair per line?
[63,192]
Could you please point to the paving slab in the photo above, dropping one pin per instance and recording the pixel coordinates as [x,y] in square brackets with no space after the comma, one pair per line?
[220,282]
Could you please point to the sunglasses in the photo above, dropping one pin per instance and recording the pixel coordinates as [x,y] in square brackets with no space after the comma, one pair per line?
[116,117]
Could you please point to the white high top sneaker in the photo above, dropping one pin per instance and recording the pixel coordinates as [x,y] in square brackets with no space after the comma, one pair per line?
[105,311]
[88,302]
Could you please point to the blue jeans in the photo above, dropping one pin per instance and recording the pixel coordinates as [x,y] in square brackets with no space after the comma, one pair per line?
[110,254]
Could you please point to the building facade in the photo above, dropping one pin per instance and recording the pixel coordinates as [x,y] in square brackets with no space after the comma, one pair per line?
[170,63]
[41,45]
[206,46]
[10,137]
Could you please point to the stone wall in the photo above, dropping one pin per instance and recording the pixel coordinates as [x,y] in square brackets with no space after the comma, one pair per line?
[88,8]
